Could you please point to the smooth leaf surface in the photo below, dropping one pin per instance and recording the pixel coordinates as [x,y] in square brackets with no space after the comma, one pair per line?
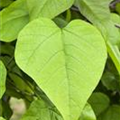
[99,102]
[2,79]
[13,19]
[47,8]
[57,59]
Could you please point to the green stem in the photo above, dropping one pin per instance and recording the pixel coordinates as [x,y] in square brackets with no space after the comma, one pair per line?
[114,53]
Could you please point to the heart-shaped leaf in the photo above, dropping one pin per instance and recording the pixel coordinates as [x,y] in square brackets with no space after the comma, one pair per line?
[66,63]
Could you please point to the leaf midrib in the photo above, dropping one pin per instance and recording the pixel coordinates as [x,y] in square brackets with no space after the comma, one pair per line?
[67,75]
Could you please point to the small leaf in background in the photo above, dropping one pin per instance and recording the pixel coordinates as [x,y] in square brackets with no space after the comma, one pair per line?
[110,81]
[6,111]
[99,102]
[52,55]
[112,113]
[115,18]
[3,74]
[47,8]
[118,8]
[38,110]
[6,49]
[13,19]
[87,113]
[20,83]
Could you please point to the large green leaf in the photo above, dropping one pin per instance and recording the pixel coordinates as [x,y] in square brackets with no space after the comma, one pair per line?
[66,63]
[13,19]
[2,79]
[47,8]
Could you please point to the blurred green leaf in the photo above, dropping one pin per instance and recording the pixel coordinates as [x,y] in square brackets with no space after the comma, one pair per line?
[13,19]
[87,113]
[7,112]
[47,8]
[112,113]
[20,83]
[60,22]
[99,102]
[1,118]
[110,81]
[38,110]
[115,18]
[4,3]
[118,8]
[6,49]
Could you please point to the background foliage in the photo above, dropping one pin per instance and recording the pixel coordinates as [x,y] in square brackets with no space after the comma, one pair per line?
[94,93]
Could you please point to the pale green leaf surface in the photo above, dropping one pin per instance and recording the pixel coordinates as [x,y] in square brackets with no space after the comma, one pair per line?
[87,113]
[13,19]
[47,8]
[99,102]
[57,59]
[2,79]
